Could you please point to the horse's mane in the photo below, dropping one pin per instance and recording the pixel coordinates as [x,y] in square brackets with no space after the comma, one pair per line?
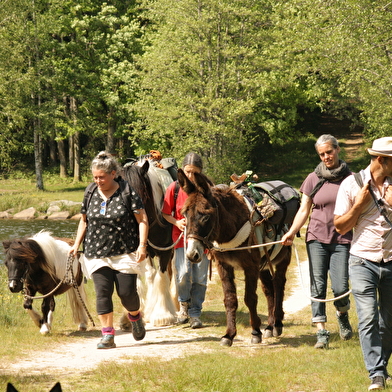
[56,253]
[147,187]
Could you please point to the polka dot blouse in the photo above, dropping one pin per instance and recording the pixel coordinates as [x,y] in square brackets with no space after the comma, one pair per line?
[111,229]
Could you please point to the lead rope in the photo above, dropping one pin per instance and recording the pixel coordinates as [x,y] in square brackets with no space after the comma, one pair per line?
[168,247]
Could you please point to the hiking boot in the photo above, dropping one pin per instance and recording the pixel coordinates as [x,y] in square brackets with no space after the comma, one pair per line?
[378,382]
[138,330]
[345,329]
[322,339]
[107,341]
[195,323]
[182,315]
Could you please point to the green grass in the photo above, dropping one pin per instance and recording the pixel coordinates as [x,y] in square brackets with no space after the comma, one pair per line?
[17,194]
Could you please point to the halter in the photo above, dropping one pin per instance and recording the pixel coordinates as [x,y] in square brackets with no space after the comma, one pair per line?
[22,278]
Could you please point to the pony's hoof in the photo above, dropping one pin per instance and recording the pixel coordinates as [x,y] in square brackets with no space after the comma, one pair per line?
[256,339]
[45,329]
[226,342]
[267,333]
[277,331]
[82,327]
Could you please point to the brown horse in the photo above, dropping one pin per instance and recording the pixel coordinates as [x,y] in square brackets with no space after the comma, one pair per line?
[219,219]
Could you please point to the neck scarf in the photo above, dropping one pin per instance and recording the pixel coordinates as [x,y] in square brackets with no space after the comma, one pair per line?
[325,174]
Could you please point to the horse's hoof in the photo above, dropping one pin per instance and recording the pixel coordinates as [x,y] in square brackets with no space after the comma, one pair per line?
[226,342]
[45,329]
[267,333]
[82,328]
[256,339]
[277,331]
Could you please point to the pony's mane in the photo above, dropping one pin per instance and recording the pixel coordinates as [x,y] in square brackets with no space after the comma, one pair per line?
[55,251]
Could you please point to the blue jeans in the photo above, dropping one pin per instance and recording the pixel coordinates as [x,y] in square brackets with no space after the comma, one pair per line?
[372,289]
[324,258]
[192,282]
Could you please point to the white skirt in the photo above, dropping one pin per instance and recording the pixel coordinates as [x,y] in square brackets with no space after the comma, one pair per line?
[125,263]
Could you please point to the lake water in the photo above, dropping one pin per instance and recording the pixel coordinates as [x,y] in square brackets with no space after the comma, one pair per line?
[10,229]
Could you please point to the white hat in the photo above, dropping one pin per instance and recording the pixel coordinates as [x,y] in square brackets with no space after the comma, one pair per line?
[381,147]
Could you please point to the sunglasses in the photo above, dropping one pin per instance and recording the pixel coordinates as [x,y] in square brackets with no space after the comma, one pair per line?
[102,211]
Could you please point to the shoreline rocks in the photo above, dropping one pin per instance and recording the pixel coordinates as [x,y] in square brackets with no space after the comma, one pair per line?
[57,210]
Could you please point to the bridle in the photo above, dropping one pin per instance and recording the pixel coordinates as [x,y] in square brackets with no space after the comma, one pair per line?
[22,278]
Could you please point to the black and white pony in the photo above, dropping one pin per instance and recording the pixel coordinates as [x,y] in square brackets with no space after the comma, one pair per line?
[159,306]
[39,265]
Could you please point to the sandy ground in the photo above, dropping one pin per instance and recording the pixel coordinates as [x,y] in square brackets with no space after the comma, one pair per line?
[160,342]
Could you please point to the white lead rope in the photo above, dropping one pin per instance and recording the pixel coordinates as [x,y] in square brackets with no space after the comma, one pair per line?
[303,286]
[246,247]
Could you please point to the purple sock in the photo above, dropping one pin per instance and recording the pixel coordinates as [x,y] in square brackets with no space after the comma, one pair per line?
[108,331]
[133,318]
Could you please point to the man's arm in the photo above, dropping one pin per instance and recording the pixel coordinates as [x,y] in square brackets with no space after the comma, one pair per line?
[344,223]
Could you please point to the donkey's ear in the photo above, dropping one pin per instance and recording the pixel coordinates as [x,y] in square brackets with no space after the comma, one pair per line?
[11,388]
[56,388]
[203,184]
[187,185]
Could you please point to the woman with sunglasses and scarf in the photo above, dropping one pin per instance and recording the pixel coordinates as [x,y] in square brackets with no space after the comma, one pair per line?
[115,242]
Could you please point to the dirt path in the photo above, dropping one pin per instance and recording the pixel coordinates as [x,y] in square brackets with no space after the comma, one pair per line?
[352,145]
[160,342]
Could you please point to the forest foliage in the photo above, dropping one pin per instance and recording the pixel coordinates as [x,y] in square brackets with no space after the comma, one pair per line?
[228,79]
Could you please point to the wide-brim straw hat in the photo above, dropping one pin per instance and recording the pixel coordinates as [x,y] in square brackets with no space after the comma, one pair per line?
[381,147]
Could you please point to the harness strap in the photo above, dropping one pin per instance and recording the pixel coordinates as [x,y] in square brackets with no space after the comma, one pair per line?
[239,238]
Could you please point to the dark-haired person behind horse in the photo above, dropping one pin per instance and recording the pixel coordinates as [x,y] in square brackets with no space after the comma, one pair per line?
[327,249]
[115,240]
[191,277]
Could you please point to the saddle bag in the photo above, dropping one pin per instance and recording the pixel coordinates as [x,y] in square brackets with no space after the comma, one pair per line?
[170,164]
[280,201]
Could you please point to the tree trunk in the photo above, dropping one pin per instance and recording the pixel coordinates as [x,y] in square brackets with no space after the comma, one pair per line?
[71,154]
[76,142]
[52,151]
[62,158]
[77,175]
[111,130]
[38,156]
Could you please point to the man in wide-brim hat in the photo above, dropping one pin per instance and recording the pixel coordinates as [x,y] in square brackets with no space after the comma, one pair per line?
[364,204]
